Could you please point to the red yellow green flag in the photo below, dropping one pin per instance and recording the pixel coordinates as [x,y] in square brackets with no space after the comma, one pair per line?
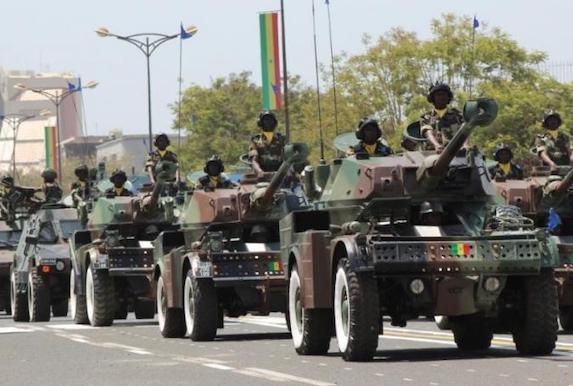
[50,143]
[270,62]
[460,249]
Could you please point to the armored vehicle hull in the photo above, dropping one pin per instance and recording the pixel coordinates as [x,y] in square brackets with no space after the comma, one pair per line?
[9,238]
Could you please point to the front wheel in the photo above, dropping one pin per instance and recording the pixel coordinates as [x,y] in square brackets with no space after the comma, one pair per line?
[536,332]
[200,306]
[99,297]
[18,302]
[38,297]
[171,320]
[356,313]
[311,329]
[78,306]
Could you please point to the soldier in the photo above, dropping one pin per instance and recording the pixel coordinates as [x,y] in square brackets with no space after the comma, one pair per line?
[431,214]
[553,147]
[441,124]
[266,150]
[371,141]
[81,188]
[159,154]
[52,191]
[213,179]
[505,167]
[118,178]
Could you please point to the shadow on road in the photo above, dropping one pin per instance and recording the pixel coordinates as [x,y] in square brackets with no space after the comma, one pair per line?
[254,337]
[135,323]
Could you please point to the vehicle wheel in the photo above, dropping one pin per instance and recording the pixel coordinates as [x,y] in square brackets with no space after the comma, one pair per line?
[60,308]
[566,318]
[443,322]
[78,306]
[121,310]
[38,297]
[200,308]
[144,309]
[18,302]
[99,297]
[472,332]
[537,332]
[311,329]
[171,320]
[356,314]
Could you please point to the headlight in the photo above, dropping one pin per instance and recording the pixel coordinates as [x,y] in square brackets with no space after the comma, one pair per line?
[60,266]
[491,284]
[417,286]
[216,246]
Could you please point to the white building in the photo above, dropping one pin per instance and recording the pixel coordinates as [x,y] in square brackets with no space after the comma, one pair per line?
[131,150]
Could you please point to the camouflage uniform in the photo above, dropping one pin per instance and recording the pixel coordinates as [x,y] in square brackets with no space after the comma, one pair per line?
[269,155]
[52,192]
[155,157]
[382,149]
[515,172]
[219,182]
[558,149]
[443,128]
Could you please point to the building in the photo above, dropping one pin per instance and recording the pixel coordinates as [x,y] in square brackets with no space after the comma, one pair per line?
[30,147]
[82,147]
[129,152]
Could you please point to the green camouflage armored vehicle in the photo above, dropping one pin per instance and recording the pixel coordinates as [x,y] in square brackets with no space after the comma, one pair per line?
[9,237]
[548,200]
[113,258]
[40,271]
[368,249]
[225,260]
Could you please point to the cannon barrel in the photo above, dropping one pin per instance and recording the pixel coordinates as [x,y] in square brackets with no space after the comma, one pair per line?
[293,153]
[165,172]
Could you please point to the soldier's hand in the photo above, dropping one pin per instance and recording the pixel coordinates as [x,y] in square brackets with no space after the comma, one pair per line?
[439,148]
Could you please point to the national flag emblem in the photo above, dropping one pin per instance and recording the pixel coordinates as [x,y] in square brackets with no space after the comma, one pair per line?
[476,22]
[274,266]
[460,249]
[270,61]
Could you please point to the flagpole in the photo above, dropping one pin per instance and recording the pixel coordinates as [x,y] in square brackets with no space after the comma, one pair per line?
[285,73]
[471,80]
[317,82]
[333,69]
[180,81]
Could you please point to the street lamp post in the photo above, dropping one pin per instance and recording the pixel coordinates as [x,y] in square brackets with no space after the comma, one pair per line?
[14,121]
[57,98]
[147,43]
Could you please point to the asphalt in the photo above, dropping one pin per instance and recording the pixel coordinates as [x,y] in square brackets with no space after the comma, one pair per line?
[258,351]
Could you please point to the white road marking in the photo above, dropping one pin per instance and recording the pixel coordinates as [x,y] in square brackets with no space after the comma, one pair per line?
[288,377]
[71,327]
[12,330]
[218,366]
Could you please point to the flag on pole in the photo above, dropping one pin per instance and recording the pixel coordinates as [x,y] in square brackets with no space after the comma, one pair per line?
[50,144]
[270,62]
[184,34]
[476,22]
[327,2]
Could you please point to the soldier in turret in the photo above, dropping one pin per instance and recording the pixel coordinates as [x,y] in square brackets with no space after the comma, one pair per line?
[441,124]
[213,179]
[52,191]
[505,167]
[81,188]
[371,141]
[159,154]
[553,147]
[118,178]
[266,150]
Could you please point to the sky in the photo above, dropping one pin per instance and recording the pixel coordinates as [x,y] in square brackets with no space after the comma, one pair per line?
[58,35]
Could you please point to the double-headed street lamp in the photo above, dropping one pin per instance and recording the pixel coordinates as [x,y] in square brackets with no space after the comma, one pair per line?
[57,98]
[147,43]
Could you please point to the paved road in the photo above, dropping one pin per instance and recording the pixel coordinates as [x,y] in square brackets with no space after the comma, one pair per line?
[257,351]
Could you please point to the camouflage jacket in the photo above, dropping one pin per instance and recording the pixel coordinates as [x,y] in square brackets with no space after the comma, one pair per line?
[515,173]
[444,128]
[557,149]
[382,149]
[111,192]
[52,193]
[222,183]
[155,157]
[269,155]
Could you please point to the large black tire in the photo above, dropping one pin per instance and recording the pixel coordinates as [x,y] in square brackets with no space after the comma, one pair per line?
[144,309]
[78,306]
[200,308]
[566,318]
[472,332]
[100,296]
[171,320]
[356,313]
[311,329]
[536,331]
[38,297]
[60,308]
[18,302]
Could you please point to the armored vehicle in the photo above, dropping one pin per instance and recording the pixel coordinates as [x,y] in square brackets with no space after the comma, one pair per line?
[225,260]
[9,237]
[547,198]
[113,257]
[368,248]
[39,279]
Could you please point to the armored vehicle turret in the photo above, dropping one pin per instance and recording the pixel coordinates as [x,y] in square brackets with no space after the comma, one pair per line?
[113,257]
[225,260]
[414,234]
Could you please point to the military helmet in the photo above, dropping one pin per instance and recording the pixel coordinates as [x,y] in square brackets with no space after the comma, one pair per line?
[49,174]
[214,159]
[82,171]
[427,207]
[159,136]
[117,173]
[549,114]
[499,148]
[439,86]
[265,114]
[365,122]
[7,181]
